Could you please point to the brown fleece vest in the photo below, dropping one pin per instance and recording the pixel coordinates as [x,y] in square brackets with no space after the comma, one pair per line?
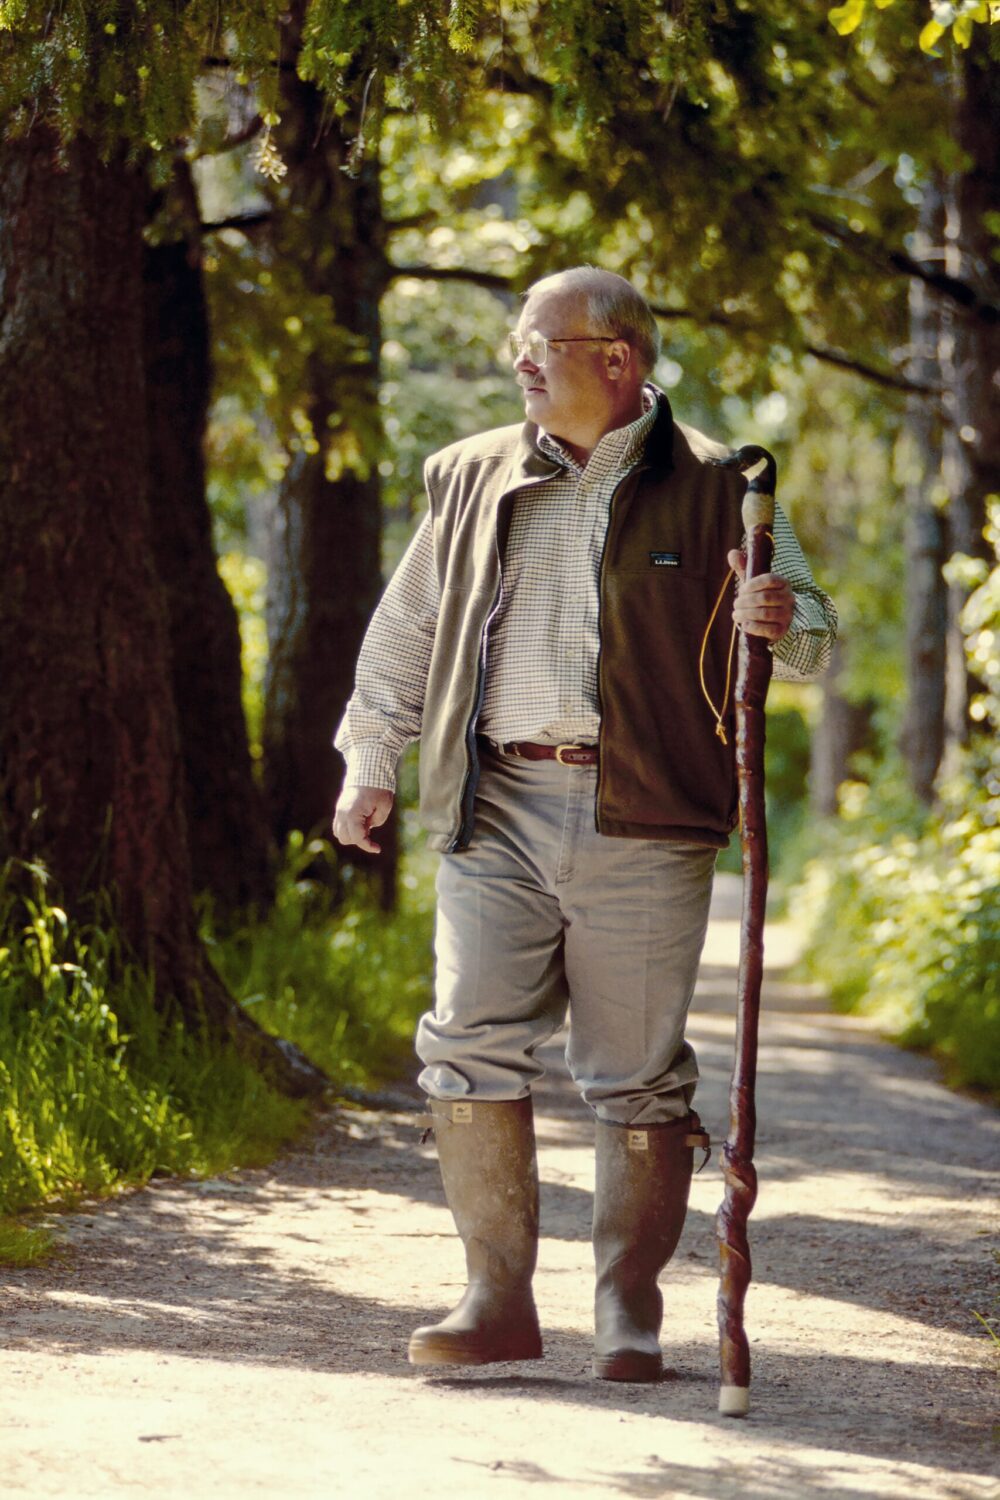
[663,772]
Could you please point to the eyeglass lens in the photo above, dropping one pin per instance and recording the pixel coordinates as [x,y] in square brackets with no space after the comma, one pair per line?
[534,346]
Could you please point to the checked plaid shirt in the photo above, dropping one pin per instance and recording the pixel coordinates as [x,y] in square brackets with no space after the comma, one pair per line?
[543,640]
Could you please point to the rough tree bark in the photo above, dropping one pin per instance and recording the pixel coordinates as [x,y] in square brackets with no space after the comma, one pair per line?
[91,778]
[325,567]
[231,854]
[922,739]
[972,448]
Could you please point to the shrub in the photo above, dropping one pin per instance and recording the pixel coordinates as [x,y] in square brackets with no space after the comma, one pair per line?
[903,910]
[786,768]
[97,1087]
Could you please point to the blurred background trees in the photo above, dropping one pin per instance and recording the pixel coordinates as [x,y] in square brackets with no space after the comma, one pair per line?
[257,261]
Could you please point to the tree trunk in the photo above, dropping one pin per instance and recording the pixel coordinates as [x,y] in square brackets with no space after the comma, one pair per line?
[973,400]
[922,739]
[325,568]
[844,728]
[227,829]
[91,778]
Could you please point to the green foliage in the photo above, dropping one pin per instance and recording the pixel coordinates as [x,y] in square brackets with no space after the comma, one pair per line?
[786,769]
[444,376]
[786,754]
[981,623]
[123,74]
[697,149]
[903,910]
[246,579]
[269,326]
[127,74]
[903,902]
[958,18]
[97,1087]
[694,156]
[839,481]
[347,989]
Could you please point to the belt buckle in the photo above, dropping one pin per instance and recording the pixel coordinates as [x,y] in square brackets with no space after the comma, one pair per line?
[559,754]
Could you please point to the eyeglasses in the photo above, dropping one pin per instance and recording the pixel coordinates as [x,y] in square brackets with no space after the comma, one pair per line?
[536,346]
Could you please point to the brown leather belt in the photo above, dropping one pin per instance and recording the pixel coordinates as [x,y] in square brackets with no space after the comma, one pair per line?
[566,755]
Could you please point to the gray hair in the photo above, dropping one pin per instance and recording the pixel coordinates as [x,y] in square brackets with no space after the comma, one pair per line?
[614,305]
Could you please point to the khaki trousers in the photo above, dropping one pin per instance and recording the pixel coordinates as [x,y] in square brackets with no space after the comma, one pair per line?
[542,913]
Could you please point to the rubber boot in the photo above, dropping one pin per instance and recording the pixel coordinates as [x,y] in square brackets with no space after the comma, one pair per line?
[643,1180]
[487,1156]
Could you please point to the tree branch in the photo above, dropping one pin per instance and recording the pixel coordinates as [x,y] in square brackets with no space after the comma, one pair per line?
[245,222]
[488,279]
[231,142]
[413,221]
[703,319]
[888,379]
[873,250]
[227,62]
[512,77]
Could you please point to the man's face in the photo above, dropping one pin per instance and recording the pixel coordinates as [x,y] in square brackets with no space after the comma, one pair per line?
[568,396]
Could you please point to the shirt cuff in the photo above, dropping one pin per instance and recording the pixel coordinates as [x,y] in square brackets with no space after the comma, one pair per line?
[371,765]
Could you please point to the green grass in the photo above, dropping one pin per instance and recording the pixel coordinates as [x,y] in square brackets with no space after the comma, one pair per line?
[99,1090]
[989,1321]
[23,1245]
[348,988]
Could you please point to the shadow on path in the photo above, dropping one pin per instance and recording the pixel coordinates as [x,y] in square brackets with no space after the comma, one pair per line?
[854,1136]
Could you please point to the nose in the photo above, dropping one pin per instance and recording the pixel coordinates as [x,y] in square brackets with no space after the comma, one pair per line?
[522,362]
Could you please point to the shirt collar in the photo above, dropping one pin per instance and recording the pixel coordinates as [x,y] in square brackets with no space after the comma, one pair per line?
[620,448]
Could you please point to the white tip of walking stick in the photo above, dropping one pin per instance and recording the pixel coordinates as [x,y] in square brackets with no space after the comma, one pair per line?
[734,1400]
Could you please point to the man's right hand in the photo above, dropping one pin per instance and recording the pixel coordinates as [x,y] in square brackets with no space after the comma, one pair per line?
[359,810]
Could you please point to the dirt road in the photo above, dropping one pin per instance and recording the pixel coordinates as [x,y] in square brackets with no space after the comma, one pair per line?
[246,1336]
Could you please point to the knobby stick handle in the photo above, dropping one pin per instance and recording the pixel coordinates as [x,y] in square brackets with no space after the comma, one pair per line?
[753,677]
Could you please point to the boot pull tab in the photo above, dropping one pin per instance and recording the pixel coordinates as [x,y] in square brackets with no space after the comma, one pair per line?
[697,1139]
[459,1113]
[697,1136]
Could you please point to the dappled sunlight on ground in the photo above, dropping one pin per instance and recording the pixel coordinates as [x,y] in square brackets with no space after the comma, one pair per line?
[246,1335]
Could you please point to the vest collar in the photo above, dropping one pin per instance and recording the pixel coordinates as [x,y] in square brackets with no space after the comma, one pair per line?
[531,465]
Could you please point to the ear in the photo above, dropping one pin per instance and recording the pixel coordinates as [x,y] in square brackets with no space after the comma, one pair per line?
[617,359]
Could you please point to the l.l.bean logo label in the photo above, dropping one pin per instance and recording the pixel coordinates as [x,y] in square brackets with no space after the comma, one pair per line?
[664,559]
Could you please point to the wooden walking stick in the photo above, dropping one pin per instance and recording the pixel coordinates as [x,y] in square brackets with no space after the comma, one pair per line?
[752,679]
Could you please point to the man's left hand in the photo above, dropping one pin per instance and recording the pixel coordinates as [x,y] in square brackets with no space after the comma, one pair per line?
[765,605]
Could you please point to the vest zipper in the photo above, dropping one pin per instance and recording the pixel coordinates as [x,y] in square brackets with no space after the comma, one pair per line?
[467,798]
[600,641]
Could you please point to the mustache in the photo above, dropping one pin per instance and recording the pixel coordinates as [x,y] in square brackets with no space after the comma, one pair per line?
[527,385]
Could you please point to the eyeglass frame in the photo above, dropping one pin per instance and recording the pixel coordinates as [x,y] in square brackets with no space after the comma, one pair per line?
[517,345]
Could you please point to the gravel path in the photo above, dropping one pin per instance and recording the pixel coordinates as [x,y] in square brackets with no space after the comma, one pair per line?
[246,1336]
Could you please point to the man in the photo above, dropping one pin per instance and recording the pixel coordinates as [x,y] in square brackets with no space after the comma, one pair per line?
[548,636]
